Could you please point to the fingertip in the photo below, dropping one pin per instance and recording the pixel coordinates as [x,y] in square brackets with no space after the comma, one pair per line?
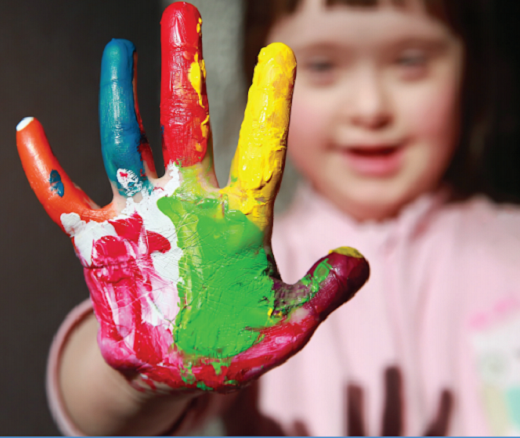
[347,251]
[182,22]
[350,268]
[24,123]
[340,275]
[29,137]
[275,62]
[119,46]
[277,50]
[118,61]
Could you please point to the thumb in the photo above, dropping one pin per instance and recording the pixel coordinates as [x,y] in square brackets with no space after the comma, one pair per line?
[332,281]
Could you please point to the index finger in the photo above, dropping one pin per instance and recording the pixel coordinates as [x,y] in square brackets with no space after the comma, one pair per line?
[258,164]
[184,102]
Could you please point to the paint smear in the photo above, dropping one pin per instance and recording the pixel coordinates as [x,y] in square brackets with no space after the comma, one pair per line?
[195,77]
[226,295]
[56,183]
[259,160]
[121,137]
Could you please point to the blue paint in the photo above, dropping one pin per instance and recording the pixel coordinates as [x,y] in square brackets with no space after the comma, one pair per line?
[120,134]
[513,403]
[56,183]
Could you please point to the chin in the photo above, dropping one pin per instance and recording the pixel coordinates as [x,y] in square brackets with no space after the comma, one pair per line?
[375,212]
[371,205]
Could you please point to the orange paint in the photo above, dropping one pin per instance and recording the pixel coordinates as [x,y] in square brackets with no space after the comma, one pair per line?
[38,162]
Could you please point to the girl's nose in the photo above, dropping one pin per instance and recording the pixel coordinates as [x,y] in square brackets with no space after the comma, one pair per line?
[367,106]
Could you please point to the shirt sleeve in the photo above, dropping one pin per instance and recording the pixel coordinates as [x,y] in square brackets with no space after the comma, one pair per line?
[55,399]
[195,417]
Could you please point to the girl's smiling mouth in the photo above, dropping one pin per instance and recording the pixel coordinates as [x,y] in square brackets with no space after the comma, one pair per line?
[374,160]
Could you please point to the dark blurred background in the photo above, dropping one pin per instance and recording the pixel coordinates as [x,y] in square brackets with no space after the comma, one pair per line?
[50,56]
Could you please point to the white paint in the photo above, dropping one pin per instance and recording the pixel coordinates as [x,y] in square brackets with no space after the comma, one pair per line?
[24,122]
[158,311]
[167,264]
[129,181]
[163,301]
[174,181]
[298,315]
[85,233]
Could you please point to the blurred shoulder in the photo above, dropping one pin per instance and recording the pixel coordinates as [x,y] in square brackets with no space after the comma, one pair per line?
[481,228]
[480,217]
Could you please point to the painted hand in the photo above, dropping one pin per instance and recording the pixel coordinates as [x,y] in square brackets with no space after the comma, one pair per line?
[181,273]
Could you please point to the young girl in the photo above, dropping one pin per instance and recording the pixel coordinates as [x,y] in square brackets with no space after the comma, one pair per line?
[385,99]
[381,106]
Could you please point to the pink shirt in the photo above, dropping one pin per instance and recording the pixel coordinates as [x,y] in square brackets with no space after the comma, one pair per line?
[431,344]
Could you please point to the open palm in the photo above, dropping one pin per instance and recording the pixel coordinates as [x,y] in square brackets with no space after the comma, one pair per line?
[181,273]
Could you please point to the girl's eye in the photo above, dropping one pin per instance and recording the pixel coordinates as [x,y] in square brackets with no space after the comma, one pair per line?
[319,72]
[412,64]
[412,59]
[320,66]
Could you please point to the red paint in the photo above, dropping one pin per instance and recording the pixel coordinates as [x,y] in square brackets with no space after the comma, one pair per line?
[181,112]
[121,278]
[152,353]
[122,274]
[38,161]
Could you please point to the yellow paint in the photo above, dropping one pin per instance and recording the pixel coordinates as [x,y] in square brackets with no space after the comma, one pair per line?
[203,68]
[348,251]
[204,127]
[195,77]
[259,160]
[199,25]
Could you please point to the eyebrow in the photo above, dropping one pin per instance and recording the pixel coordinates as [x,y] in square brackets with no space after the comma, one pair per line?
[430,42]
[433,42]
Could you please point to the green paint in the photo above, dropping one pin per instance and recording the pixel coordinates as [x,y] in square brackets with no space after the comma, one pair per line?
[314,281]
[217,366]
[513,403]
[187,375]
[226,293]
[203,386]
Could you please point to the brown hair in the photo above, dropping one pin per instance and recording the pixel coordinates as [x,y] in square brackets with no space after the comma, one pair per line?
[469,20]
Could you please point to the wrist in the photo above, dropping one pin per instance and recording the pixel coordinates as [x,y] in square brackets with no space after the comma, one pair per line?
[101,401]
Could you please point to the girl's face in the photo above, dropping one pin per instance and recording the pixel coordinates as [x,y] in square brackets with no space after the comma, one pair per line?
[375,112]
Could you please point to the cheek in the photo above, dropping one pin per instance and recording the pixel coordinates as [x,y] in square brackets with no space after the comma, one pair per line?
[432,119]
[433,116]
[307,128]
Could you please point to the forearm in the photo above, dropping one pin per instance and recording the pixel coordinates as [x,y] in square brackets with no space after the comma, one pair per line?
[98,398]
